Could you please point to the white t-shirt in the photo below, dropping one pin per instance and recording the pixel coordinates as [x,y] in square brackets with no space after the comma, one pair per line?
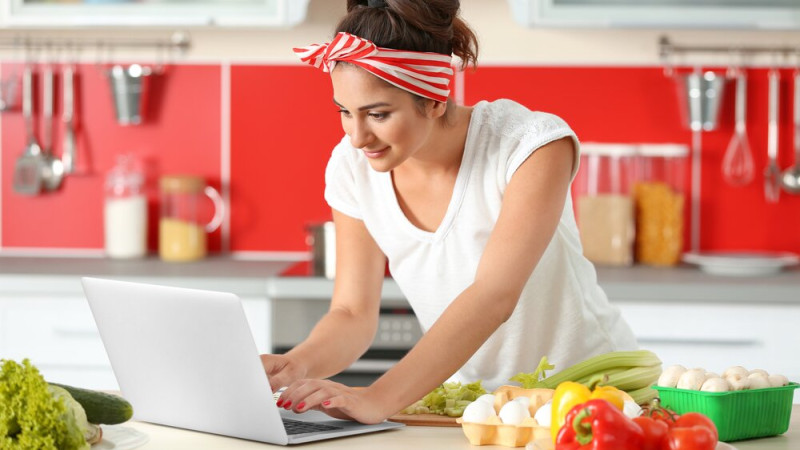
[562,313]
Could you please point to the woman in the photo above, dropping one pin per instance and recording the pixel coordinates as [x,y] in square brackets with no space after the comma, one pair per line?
[469,204]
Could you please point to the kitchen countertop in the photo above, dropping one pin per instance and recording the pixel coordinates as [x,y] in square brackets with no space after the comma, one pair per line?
[61,275]
[419,438]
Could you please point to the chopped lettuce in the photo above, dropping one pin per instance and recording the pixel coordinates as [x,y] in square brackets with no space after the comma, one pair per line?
[32,415]
[449,399]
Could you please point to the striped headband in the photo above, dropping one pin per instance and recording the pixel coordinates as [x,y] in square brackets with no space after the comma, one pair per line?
[426,74]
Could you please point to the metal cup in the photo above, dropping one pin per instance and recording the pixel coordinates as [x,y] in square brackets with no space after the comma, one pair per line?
[129,87]
[701,94]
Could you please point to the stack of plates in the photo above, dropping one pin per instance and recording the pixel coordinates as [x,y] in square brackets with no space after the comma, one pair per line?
[742,263]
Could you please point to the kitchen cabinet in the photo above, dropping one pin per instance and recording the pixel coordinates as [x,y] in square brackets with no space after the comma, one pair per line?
[152,13]
[708,14]
[715,336]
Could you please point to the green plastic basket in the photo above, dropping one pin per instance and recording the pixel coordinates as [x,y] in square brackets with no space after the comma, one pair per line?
[738,415]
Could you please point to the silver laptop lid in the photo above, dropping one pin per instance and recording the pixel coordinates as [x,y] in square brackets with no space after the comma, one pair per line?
[185,358]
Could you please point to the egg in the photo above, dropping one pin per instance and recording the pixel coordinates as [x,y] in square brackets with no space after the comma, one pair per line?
[526,401]
[543,414]
[478,412]
[513,413]
[488,398]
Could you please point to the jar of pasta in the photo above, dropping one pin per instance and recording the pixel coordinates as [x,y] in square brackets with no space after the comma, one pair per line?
[182,228]
[604,210]
[659,196]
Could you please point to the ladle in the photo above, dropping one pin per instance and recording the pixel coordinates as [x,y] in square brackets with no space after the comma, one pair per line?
[790,178]
[53,169]
[737,164]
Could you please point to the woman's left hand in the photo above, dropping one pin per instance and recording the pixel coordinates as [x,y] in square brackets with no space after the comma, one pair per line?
[334,399]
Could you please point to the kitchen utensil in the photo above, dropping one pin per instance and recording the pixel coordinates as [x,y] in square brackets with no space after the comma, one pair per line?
[772,172]
[28,168]
[68,152]
[737,164]
[129,88]
[701,93]
[790,179]
[53,168]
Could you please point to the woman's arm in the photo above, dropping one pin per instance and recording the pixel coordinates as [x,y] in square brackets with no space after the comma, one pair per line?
[532,207]
[345,332]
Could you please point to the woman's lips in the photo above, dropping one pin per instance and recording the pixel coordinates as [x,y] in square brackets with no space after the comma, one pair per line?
[375,153]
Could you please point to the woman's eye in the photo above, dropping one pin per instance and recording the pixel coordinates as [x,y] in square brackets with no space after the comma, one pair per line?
[344,112]
[379,115]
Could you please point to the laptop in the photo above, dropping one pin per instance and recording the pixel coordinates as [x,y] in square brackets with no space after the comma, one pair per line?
[186,358]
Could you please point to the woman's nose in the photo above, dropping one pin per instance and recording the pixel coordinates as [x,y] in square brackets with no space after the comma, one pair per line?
[360,135]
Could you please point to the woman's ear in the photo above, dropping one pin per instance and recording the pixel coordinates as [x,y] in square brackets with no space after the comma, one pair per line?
[436,109]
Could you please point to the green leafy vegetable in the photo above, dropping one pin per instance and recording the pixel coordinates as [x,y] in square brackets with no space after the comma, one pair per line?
[449,399]
[531,380]
[34,416]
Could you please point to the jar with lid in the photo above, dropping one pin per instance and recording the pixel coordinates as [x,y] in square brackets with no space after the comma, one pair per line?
[125,210]
[659,196]
[604,211]
[181,228]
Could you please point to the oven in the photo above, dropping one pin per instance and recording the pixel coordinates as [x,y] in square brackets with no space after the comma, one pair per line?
[297,304]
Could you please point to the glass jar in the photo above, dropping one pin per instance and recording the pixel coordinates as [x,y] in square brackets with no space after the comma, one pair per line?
[125,210]
[659,195]
[181,228]
[604,210]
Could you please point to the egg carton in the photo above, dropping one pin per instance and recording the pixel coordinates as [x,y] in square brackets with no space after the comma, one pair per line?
[525,429]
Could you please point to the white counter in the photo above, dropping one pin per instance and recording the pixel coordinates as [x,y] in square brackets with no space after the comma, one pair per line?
[418,438]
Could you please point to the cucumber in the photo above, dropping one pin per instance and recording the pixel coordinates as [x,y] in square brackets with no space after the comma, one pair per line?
[100,407]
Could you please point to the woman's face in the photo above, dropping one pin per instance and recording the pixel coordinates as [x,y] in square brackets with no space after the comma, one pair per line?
[380,119]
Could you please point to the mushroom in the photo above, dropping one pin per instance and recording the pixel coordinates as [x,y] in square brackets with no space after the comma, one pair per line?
[715,384]
[669,377]
[692,379]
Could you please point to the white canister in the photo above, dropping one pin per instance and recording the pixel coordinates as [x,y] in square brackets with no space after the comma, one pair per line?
[125,210]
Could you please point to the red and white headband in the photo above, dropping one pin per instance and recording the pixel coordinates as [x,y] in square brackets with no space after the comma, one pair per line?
[426,74]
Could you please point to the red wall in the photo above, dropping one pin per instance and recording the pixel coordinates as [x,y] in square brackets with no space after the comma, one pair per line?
[283,125]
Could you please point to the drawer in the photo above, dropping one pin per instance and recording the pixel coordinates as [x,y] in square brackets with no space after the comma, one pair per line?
[52,332]
[716,336]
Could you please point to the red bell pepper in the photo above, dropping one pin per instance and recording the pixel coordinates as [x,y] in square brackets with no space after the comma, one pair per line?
[598,425]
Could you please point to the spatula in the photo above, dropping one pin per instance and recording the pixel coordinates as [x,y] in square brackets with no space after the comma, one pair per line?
[28,168]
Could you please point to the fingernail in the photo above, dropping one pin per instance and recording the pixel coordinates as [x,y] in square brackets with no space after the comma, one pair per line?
[326,403]
[301,405]
[288,404]
[280,402]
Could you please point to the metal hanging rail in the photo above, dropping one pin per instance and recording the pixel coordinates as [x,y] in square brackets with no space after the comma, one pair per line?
[667,49]
[179,41]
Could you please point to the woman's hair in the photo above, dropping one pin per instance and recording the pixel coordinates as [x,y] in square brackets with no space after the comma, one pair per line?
[416,25]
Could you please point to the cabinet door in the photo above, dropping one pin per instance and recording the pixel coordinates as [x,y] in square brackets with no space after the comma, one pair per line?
[717,336]
[59,337]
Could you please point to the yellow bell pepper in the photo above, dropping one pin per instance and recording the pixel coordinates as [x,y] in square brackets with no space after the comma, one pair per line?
[570,393]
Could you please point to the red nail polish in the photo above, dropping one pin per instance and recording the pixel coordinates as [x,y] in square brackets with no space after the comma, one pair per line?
[301,405]
[288,404]
[280,402]
[326,403]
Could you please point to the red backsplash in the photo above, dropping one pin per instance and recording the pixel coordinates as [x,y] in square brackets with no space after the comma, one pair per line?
[283,126]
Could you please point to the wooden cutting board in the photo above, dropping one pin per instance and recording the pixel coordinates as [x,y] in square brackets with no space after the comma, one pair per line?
[425,420]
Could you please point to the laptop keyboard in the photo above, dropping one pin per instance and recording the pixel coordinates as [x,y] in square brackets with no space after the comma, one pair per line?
[299,427]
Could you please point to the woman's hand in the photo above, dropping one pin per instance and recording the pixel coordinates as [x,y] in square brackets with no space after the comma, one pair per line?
[334,399]
[282,370]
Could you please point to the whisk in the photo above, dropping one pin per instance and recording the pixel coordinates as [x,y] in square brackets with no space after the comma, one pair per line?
[738,167]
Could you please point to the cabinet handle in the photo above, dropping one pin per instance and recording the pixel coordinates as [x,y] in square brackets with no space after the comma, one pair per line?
[690,341]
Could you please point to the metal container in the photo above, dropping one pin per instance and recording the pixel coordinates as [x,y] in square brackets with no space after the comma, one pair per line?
[129,88]
[322,240]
